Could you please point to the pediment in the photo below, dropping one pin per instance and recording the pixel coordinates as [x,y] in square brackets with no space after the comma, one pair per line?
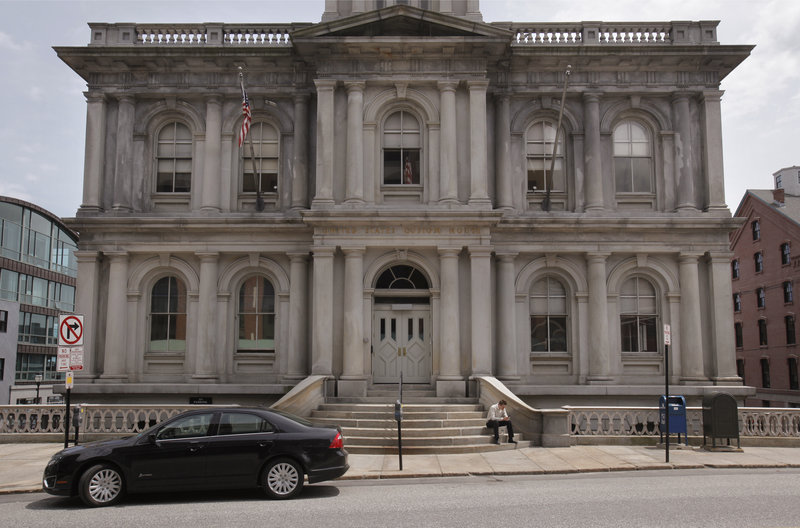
[401,21]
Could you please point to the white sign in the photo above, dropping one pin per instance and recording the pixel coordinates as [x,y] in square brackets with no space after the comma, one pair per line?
[62,359]
[667,335]
[76,358]
[68,382]
[70,330]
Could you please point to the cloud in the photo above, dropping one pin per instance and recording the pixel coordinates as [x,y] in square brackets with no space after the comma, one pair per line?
[7,43]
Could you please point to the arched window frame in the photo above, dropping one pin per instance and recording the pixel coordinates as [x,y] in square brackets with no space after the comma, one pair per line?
[267,154]
[639,313]
[402,160]
[260,322]
[168,316]
[174,149]
[549,316]
[539,138]
[634,158]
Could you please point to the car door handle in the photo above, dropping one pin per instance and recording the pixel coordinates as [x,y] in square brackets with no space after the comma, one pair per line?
[265,443]
[194,448]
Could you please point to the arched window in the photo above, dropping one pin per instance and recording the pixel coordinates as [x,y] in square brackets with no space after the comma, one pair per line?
[633,158]
[548,305]
[265,153]
[402,284]
[174,159]
[539,140]
[401,149]
[638,316]
[168,316]
[256,315]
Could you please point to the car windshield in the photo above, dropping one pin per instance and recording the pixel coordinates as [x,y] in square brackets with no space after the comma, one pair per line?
[290,416]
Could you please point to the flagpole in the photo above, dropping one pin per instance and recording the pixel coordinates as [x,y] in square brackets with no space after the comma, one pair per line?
[259,199]
[549,176]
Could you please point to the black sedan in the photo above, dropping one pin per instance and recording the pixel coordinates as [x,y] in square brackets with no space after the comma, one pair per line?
[225,448]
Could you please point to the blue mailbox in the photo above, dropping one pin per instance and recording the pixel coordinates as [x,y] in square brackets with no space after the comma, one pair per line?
[677,417]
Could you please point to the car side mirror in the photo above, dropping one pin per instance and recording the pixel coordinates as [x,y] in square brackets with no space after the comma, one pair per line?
[151,439]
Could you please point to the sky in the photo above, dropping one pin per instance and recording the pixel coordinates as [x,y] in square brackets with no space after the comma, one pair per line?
[43,110]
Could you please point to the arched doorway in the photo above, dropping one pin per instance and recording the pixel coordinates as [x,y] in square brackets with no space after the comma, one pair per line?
[401,326]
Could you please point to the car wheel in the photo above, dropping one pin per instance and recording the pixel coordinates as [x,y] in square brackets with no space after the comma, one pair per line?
[283,479]
[100,485]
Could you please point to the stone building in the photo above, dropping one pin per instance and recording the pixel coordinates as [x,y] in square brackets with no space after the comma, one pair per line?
[397,207]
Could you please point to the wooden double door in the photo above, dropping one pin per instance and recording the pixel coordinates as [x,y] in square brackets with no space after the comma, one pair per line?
[401,341]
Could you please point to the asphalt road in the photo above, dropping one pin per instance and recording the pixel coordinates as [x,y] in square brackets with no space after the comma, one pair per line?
[676,499]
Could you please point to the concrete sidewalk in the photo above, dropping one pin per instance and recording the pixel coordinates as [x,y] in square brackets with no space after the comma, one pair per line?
[21,465]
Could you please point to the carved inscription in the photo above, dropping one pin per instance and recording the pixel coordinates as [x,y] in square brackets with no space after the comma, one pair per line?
[410,229]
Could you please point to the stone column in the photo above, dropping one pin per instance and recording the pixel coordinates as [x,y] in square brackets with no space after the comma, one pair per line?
[722,317]
[325,143]
[322,319]
[298,316]
[213,153]
[450,381]
[94,157]
[503,152]
[479,197]
[714,167]
[593,153]
[481,301]
[86,291]
[448,187]
[685,155]
[599,353]
[354,176]
[352,381]
[205,364]
[123,168]
[506,329]
[116,344]
[691,330]
[300,156]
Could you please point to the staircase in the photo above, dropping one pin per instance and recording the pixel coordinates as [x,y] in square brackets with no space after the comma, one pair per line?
[430,424]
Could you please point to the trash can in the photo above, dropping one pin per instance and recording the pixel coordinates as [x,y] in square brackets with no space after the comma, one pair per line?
[720,418]
[677,417]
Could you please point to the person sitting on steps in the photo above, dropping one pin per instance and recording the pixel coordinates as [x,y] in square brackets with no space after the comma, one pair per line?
[497,418]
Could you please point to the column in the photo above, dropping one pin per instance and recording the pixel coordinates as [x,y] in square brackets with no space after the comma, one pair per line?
[352,381]
[298,316]
[86,290]
[115,347]
[722,317]
[94,156]
[599,354]
[481,301]
[683,146]
[450,381]
[691,338]
[213,152]
[300,155]
[205,366]
[123,168]
[714,167]
[448,187]
[325,143]
[354,176]
[479,197]
[322,319]
[593,153]
[506,329]
[502,136]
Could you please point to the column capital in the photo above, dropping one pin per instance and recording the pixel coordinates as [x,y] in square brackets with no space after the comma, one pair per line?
[478,84]
[84,255]
[125,98]
[353,251]
[480,251]
[447,86]
[592,97]
[95,97]
[449,252]
[207,256]
[690,256]
[214,98]
[597,256]
[681,96]
[325,85]
[301,98]
[298,256]
[355,86]
[506,256]
[711,96]
[323,251]
[116,254]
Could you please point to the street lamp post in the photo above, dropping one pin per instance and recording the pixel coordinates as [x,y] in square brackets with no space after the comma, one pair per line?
[38,380]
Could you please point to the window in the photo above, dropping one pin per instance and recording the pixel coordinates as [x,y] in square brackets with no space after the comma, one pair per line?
[37,329]
[11,232]
[3,321]
[758,262]
[791,338]
[548,316]
[174,159]
[755,225]
[192,426]
[762,332]
[786,254]
[266,149]
[401,149]
[539,142]
[737,328]
[735,269]
[638,316]
[765,373]
[787,292]
[740,369]
[2,369]
[633,161]
[242,423]
[761,298]
[737,302]
[168,316]
[256,316]
[29,365]
[778,181]
[793,381]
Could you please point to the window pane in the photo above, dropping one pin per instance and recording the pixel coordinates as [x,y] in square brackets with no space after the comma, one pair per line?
[641,175]
[539,333]
[558,334]
[622,174]
[628,333]
[392,170]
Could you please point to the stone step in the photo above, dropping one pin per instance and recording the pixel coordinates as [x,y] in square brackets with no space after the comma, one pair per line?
[391,423]
[435,450]
[407,407]
[431,400]
[407,415]
[430,432]
[420,441]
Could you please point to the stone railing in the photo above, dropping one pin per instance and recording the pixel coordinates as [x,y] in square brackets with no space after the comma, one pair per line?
[611,33]
[192,35]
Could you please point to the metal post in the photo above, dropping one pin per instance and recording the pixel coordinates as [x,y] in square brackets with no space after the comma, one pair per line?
[666,397]
[38,380]
[549,176]
[66,421]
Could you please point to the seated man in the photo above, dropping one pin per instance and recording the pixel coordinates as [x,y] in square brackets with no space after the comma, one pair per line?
[497,418]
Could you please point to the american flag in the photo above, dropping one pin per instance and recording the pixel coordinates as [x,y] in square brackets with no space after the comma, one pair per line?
[247,117]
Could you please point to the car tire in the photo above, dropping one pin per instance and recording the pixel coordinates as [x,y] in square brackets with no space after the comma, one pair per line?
[283,478]
[101,485]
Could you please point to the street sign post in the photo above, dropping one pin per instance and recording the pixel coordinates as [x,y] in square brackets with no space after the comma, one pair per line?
[667,342]
[70,330]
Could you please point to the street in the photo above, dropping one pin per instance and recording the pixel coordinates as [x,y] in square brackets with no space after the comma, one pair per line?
[676,498]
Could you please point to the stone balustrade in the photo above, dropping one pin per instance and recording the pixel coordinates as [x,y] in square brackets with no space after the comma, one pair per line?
[192,35]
